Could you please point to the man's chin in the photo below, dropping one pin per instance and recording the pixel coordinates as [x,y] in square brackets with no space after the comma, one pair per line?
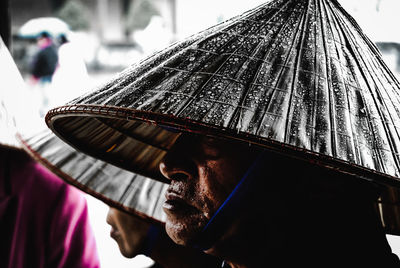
[180,233]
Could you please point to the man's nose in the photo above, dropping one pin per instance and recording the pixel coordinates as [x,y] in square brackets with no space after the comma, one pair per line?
[178,164]
[173,169]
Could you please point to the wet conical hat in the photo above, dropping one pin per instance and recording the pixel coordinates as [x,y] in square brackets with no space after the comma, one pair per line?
[11,81]
[17,112]
[7,126]
[298,77]
[116,187]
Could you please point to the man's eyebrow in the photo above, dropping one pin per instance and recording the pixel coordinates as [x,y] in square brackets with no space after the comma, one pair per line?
[170,129]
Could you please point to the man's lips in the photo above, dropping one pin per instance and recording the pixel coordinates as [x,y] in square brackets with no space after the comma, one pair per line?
[176,204]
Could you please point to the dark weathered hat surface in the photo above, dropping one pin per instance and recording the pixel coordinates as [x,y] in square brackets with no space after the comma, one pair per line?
[298,77]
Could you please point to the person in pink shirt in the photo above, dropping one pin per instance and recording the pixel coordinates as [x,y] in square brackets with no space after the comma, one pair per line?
[43,221]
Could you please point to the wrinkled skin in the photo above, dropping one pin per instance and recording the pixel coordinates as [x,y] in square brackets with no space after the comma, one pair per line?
[299,214]
[128,231]
[203,172]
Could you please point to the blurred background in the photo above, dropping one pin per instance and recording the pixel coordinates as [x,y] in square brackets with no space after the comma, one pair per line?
[95,39]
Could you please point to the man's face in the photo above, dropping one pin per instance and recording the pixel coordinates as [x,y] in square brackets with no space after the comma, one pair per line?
[203,172]
[128,231]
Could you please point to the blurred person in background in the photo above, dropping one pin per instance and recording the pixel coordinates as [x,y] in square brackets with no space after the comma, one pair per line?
[45,60]
[43,66]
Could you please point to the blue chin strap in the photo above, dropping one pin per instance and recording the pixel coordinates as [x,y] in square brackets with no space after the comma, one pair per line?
[153,234]
[233,205]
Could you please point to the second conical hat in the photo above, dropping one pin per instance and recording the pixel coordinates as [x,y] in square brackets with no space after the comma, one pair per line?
[132,193]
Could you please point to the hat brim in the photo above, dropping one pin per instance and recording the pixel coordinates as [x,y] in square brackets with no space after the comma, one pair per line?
[88,116]
[134,194]
[67,122]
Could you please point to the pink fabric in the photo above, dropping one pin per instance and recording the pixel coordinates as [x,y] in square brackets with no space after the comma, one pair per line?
[44,222]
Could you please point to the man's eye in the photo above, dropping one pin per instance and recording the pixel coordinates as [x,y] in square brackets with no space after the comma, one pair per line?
[212,149]
[212,141]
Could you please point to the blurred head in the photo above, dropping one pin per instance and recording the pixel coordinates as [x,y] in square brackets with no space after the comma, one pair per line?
[203,172]
[62,39]
[44,35]
[44,39]
[128,231]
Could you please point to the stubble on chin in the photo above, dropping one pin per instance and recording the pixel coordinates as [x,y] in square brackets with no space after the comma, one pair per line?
[184,231]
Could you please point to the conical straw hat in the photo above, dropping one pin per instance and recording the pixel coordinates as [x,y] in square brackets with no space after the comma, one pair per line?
[11,80]
[116,187]
[17,112]
[298,77]
[7,126]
